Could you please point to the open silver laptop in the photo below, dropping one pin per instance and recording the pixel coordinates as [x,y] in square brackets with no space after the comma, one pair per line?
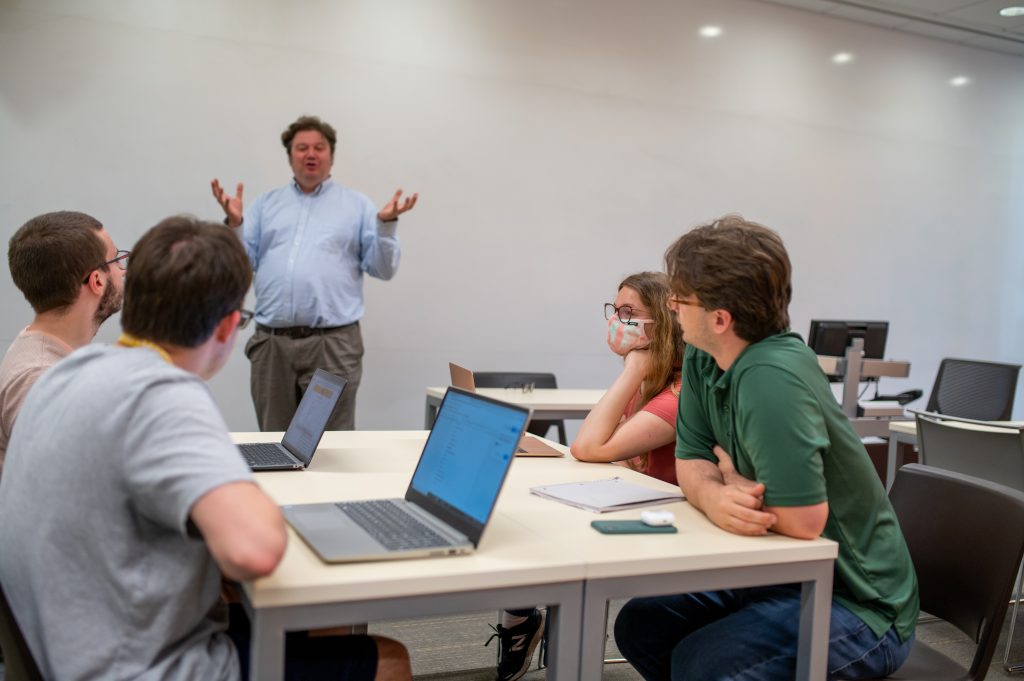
[449,500]
[296,449]
[529,445]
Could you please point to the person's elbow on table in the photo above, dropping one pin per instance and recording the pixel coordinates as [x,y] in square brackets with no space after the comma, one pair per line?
[243,529]
[800,522]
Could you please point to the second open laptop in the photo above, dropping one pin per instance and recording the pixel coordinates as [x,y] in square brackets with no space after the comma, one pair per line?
[529,445]
[448,502]
[296,449]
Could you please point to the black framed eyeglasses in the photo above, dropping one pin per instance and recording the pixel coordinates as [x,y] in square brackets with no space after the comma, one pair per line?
[623,312]
[244,317]
[121,260]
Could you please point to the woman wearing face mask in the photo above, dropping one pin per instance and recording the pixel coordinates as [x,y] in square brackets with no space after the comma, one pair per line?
[635,420]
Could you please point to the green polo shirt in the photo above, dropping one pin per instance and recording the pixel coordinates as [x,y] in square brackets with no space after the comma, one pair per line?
[774,412]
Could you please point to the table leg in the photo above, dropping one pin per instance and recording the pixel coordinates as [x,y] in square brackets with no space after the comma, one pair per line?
[592,645]
[432,405]
[890,461]
[815,618]
[266,656]
[563,623]
[894,458]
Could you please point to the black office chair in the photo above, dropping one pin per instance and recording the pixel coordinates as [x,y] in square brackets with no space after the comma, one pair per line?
[19,665]
[519,380]
[980,449]
[966,538]
[974,389]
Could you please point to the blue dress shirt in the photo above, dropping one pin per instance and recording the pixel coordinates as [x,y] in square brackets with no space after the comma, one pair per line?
[309,252]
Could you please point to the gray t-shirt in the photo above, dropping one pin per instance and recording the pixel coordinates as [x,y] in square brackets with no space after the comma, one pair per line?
[100,563]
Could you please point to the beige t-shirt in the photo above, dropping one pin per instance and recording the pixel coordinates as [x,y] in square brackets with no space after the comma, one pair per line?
[31,353]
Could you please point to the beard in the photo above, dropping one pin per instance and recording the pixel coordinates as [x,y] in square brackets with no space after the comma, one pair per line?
[110,302]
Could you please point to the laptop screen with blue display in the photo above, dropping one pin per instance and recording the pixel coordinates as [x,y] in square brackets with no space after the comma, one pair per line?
[468,453]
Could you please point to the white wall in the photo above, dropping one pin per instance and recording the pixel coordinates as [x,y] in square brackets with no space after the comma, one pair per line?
[556,145]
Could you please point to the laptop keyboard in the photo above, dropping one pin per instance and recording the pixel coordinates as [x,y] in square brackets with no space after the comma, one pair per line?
[264,454]
[392,525]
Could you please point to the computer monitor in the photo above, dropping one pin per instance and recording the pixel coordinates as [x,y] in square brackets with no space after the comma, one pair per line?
[831,338]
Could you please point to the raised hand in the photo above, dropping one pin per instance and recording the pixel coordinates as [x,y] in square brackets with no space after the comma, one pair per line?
[396,206]
[231,205]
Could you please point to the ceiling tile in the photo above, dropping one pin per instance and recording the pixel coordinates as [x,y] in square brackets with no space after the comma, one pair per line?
[927,7]
[960,21]
[996,45]
[987,14]
[811,5]
[933,31]
[867,16]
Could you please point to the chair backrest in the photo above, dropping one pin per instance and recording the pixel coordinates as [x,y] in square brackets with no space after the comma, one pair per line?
[966,538]
[989,452]
[974,389]
[19,665]
[521,379]
[513,379]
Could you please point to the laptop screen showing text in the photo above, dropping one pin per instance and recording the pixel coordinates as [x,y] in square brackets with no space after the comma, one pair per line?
[466,456]
[306,427]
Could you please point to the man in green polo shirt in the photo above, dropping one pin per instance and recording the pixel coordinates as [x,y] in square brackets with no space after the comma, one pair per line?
[762,445]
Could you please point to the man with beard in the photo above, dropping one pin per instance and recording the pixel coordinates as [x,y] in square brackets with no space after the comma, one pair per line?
[72,274]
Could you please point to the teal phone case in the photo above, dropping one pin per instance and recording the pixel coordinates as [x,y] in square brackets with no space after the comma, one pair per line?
[630,527]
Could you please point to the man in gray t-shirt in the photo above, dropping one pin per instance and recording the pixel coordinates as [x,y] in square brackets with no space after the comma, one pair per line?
[122,446]
[125,502]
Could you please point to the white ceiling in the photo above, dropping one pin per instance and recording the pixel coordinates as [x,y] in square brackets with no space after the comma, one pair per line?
[968,22]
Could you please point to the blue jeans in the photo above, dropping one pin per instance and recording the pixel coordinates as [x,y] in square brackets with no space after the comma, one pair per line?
[744,634]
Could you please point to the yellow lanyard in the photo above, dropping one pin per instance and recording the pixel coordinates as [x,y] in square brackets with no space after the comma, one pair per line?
[130,341]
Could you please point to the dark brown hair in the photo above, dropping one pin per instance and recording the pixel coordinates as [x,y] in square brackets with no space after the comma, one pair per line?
[309,123]
[184,277]
[51,254]
[736,265]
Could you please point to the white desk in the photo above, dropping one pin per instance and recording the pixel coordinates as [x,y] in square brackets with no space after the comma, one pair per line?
[514,566]
[534,552]
[548,404]
[699,557]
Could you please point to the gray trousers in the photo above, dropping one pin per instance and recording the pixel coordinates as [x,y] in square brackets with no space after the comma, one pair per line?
[282,368]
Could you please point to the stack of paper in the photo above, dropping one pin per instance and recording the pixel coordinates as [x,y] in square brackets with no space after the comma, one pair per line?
[601,496]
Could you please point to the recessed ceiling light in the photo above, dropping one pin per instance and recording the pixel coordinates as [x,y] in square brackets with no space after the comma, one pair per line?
[1012,12]
[711,31]
[842,57]
[959,81]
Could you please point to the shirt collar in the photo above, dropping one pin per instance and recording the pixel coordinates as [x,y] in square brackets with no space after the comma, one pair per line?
[320,188]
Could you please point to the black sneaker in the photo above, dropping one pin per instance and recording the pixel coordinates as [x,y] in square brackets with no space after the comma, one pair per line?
[516,646]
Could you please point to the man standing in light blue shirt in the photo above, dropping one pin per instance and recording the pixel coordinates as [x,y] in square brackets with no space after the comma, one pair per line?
[310,243]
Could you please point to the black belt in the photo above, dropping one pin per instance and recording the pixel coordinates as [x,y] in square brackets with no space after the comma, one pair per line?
[300,331]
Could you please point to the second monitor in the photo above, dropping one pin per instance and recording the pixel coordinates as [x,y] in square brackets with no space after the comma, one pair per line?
[831,337]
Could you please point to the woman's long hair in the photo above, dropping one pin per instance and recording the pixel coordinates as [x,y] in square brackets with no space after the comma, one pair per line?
[666,340]
[666,343]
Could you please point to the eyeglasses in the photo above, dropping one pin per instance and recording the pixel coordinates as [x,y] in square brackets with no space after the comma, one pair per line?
[673,301]
[121,260]
[244,317]
[623,312]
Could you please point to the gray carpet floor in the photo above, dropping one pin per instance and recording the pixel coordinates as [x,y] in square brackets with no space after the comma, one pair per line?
[452,648]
